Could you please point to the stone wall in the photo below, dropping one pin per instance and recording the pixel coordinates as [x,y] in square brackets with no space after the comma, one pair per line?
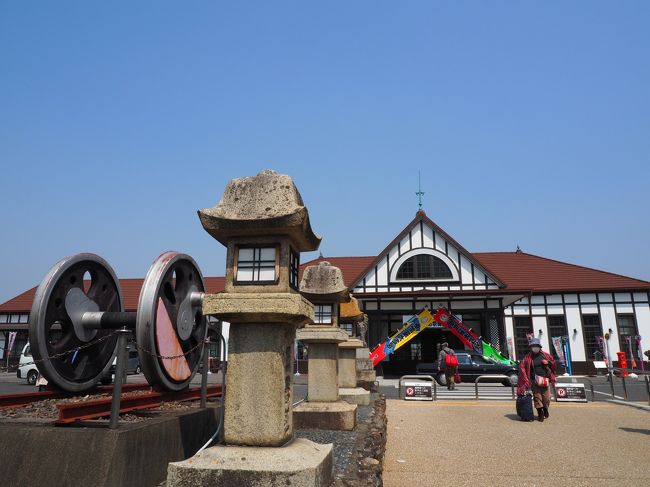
[369,449]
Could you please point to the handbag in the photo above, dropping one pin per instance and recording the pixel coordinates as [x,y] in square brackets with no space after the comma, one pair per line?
[541,381]
[457,379]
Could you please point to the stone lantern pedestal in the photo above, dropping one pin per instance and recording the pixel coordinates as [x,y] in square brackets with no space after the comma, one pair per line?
[348,390]
[264,225]
[324,409]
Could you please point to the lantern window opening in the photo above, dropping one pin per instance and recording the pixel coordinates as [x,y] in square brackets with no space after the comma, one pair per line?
[294,268]
[323,313]
[258,265]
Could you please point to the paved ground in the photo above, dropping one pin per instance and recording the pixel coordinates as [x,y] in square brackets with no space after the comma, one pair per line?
[484,443]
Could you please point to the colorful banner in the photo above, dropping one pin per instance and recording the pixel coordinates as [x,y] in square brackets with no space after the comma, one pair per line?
[639,350]
[601,346]
[12,339]
[559,349]
[467,336]
[444,318]
[411,328]
[628,341]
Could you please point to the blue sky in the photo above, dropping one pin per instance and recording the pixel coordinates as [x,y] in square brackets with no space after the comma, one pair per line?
[530,123]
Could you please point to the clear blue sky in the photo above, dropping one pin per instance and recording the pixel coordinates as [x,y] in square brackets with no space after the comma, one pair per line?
[530,122]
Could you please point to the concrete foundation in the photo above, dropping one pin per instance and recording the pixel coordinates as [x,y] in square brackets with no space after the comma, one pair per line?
[38,454]
[300,463]
[339,415]
[355,395]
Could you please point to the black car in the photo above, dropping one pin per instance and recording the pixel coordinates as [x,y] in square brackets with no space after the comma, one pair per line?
[470,366]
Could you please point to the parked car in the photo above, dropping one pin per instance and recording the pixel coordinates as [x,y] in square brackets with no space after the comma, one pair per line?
[132,366]
[27,369]
[470,366]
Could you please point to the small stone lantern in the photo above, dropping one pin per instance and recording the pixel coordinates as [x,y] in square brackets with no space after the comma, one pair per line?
[323,285]
[264,225]
[350,352]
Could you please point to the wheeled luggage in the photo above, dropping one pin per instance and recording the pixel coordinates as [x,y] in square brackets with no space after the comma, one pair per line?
[525,407]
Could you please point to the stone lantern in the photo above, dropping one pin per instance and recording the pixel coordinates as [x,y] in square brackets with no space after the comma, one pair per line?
[264,225]
[351,314]
[323,285]
[353,354]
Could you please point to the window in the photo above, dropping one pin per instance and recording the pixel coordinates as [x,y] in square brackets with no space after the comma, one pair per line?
[523,328]
[591,329]
[416,351]
[15,318]
[424,266]
[463,359]
[258,264]
[627,327]
[323,313]
[28,352]
[294,267]
[24,318]
[556,328]
[4,318]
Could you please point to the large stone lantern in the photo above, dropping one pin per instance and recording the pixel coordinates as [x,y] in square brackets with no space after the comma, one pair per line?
[264,225]
[323,285]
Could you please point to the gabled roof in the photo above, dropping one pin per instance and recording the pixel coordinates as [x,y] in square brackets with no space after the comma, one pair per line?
[532,273]
[422,216]
[520,272]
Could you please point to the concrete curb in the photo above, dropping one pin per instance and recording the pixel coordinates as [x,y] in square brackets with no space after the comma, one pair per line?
[642,407]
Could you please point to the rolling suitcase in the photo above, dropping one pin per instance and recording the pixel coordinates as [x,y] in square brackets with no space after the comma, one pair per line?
[525,407]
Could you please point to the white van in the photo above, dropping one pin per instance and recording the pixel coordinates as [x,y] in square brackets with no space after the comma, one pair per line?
[26,368]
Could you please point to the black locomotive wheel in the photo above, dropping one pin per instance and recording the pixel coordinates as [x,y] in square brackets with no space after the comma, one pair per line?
[54,339]
[170,327]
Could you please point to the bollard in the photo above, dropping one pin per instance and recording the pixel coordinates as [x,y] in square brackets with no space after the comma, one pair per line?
[624,387]
[647,386]
[611,382]
[119,376]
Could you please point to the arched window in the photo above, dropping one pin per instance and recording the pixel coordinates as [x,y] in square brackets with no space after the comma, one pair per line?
[424,266]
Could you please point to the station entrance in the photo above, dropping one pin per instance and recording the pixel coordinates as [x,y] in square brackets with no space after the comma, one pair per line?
[425,346]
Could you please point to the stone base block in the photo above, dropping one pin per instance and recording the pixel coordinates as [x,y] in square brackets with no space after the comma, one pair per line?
[338,415]
[300,463]
[355,395]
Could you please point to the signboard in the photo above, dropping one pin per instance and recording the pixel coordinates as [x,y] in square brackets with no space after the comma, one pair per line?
[570,393]
[418,391]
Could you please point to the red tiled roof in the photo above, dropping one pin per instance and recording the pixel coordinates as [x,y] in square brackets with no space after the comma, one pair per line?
[130,294]
[519,271]
[526,272]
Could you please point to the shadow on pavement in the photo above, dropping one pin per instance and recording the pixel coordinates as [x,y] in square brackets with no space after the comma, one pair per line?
[512,417]
[636,430]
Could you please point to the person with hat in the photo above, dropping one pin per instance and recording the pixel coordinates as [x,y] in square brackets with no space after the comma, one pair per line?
[448,362]
[537,372]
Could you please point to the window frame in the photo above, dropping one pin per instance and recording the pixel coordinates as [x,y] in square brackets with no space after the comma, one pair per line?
[416,269]
[254,247]
[590,356]
[318,312]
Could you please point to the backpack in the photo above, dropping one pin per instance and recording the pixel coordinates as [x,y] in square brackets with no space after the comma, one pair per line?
[451,360]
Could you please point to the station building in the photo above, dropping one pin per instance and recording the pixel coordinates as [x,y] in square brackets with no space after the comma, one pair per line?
[505,297]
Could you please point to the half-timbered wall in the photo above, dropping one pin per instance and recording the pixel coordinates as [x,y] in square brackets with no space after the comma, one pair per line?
[467,275]
[609,307]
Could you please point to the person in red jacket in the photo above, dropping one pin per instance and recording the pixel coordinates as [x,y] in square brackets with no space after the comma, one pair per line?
[537,372]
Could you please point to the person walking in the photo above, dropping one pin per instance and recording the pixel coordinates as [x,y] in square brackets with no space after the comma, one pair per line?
[537,372]
[448,362]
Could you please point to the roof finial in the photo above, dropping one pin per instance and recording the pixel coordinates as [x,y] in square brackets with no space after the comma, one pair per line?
[518,249]
[419,193]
